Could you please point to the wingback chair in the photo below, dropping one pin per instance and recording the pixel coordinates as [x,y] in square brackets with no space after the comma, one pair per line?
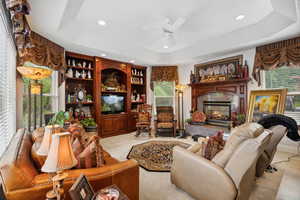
[165,122]
[230,175]
[143,122]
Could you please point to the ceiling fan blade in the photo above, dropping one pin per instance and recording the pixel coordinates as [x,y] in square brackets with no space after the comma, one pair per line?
[178,23]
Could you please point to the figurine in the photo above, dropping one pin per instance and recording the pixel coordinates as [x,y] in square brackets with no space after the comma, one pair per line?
[89,75]
[83,75]
[70,73]
[79,65]
[83,64]
[69,62]
[90,65]
[77,74]
[73,63]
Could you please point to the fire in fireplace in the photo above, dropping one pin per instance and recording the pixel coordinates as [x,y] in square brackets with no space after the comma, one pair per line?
[217,111]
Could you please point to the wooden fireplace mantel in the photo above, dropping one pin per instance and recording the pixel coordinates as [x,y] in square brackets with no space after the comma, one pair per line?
[238,87]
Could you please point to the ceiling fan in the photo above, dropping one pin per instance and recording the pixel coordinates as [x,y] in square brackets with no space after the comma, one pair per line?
[168,28]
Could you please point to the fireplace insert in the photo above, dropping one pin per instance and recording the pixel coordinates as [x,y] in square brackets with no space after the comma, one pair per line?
[218,112]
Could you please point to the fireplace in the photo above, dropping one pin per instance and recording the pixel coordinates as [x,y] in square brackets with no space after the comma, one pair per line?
[218,107]
[217,110]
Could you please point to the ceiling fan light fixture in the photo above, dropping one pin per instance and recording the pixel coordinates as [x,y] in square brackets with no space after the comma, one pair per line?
[240,17]
[101,22]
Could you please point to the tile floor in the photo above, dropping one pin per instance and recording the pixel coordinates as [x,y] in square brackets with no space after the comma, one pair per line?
[282,185]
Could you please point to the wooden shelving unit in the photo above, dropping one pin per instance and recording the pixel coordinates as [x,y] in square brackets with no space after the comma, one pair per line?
[83,66]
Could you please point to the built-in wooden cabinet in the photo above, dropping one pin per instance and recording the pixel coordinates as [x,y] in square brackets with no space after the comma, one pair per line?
[114,88]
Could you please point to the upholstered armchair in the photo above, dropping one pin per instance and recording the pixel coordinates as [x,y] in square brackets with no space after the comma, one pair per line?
[143,122]
[165,122]
[230,175]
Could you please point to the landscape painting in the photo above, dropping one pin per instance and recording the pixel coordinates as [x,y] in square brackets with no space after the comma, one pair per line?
[266,102]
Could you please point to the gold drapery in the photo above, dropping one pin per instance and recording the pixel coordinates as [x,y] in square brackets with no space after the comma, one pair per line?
[164,73]
[43,52]
[274,55]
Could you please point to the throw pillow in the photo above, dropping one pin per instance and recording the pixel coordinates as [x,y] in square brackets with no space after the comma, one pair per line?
[92,155]
[77,147]
[38,160]
[214,145]
[37,134]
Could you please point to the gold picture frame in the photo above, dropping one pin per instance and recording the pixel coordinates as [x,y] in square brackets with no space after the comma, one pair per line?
[264,102]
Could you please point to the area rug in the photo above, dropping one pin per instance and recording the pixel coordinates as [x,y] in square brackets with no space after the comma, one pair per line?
[155,155]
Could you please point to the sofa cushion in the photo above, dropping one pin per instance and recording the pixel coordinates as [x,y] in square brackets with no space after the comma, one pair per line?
[237,136]
[165,125]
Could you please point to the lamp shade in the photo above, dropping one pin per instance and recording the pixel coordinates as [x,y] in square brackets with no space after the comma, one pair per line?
[60,156]
[180,87]
[34,72]
[45,145]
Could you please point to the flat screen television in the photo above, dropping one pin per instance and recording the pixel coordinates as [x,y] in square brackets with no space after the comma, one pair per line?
[112,104]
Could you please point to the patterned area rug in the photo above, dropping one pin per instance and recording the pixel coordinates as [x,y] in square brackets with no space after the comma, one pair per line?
[155,155]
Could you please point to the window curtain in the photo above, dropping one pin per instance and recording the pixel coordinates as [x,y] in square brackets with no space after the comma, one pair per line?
[164,73]
[274,55]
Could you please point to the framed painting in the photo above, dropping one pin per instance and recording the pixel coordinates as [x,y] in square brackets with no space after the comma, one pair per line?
[81,189]
[265,102]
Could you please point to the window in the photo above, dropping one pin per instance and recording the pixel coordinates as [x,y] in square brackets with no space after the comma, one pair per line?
[50,99]
[164,93]
[287,77]
[7,86]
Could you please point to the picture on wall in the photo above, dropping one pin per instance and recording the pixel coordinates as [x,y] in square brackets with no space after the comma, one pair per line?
[219,70]
[265,102]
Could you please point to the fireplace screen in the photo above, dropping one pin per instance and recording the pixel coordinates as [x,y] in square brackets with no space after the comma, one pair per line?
[217,110]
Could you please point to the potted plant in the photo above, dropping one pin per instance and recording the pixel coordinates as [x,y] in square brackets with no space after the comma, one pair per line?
[59,118]
[89,124]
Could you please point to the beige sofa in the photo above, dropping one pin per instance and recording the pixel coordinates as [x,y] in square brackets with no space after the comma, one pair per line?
[231,173]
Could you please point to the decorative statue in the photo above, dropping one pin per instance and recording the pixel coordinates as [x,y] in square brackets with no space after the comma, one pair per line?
[83,75]
[70,73]
[89,75]
[112,80]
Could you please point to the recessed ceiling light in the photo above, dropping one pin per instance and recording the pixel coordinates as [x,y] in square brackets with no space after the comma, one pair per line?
[102,22]
[240,17]
[132,61]
[103,54]
[166,46]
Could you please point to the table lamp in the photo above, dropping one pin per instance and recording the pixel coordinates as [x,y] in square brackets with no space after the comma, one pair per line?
[60,158]
[45,145]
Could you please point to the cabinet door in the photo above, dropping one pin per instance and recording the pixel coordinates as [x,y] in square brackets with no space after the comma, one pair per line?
[132,122]
[120,123]
[108,125]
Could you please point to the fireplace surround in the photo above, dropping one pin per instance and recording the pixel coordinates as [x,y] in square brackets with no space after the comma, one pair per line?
[230,92]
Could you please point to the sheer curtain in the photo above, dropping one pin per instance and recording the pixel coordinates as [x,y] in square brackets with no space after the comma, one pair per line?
[7,86]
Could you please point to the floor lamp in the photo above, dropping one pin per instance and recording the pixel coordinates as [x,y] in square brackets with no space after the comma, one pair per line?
[34,73]
[179,89]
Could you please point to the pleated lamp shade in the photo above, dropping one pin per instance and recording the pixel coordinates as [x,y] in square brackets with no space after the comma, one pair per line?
[60,156]
[45,145]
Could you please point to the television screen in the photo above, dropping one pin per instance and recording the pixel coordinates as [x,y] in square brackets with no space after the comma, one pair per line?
[112,104]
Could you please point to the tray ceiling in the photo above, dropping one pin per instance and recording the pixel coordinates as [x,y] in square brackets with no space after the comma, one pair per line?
[137,30]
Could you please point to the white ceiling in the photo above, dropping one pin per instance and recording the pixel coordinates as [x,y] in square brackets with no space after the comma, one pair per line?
[132,33]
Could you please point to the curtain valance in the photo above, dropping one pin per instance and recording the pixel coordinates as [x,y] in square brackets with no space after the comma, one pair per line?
[274,55]
[164,73]
[43,52]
